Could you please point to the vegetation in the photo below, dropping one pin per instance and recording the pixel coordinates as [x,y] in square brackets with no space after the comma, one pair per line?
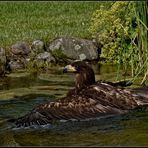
[121,26]
[123,34]
[59,56]
[44,20]
[141,12]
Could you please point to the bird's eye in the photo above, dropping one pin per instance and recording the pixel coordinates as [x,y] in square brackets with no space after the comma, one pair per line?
[77,67]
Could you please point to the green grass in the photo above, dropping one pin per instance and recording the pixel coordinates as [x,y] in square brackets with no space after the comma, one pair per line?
[44,20]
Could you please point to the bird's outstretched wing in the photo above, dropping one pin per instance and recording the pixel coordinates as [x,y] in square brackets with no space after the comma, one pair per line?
[94,101]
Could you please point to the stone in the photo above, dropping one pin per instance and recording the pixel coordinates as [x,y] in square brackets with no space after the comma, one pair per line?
[15,65]
[19,55]
[38,46]
[45,56]
[75,48]
[20,48]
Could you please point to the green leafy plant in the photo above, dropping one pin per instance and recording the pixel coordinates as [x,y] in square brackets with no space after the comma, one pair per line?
[112,26]
[122,32]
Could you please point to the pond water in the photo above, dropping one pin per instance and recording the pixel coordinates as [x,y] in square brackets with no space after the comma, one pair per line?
[19,92]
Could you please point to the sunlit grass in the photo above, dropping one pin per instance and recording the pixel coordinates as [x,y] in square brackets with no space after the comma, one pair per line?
[44,20]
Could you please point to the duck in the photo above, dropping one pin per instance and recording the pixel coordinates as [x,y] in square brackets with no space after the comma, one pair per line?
[88,99]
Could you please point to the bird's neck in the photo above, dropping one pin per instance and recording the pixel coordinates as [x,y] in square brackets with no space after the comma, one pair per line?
[84,79]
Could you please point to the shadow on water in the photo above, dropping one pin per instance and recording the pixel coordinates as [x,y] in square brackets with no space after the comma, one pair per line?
[18,95]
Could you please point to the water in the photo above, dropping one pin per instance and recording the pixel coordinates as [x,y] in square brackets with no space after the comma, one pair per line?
[19,93]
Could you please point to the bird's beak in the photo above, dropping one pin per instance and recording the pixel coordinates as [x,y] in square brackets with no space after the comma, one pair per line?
[69,68]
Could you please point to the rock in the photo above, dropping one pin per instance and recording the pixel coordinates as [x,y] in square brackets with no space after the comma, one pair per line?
[2,70]
[15,65]
[2,56]
[18,56]
[45,56]
[15,62]
[2,52]
[75,48]
[20,48]
[38,46]
[2,61]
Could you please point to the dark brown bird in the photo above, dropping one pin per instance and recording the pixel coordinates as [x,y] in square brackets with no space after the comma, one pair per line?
[88,99]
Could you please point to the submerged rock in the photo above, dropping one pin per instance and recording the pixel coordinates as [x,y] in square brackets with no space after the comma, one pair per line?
[74,48]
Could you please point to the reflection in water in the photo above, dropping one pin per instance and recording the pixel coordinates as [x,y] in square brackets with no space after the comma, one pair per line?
[18,95]
[7,139]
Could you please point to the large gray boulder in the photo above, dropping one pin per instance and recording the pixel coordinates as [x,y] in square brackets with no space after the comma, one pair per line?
[74,48]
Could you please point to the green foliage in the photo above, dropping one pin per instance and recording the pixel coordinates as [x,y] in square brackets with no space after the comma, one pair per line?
[113,26]
[35,65]
[140,60]
[59,56]
[122,32]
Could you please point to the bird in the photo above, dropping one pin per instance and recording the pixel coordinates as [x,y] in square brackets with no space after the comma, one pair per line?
[88,99]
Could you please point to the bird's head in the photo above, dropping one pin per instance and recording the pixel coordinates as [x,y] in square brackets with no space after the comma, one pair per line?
[84,73]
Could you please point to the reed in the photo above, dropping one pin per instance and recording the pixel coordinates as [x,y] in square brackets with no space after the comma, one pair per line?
[134,57]
[139,56]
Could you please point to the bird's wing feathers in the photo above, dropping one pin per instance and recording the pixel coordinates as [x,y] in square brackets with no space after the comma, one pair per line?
[94,101]
[87,100]
[78,106]
[115,97]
